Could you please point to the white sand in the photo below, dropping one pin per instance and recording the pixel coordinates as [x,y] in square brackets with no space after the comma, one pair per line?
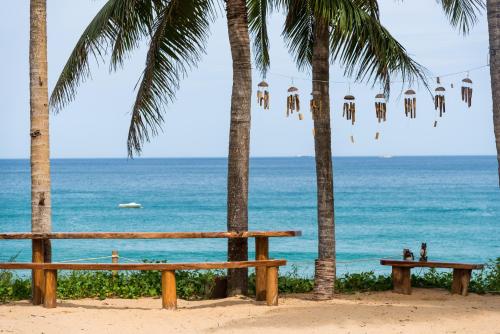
[426,311]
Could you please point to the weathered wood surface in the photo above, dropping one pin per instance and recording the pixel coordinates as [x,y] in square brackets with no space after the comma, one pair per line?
[461,279]
[37,283]
[49,299]
[272,286]
[261,253]
[401,280]
[141,266]
[148,235]
[430,264]
[168,290]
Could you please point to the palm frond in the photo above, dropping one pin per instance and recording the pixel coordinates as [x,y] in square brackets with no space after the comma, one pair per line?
[117,27]
[462,14]
[298,31]
[366,49]
[179,35]
[257,21]
[358,41]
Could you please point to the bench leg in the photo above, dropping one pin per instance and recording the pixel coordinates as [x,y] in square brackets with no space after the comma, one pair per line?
[49,300]
[461,279]
[261,253]
[168,290]
[401,280]
[272,286]
[37,275]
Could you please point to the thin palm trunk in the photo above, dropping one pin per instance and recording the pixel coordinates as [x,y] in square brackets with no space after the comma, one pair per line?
[39,132]
[493,9]
[324,276]
[239,141]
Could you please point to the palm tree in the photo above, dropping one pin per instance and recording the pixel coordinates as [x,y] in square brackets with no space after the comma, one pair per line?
[177,31]
[493,9]
[349,32]
[39,132]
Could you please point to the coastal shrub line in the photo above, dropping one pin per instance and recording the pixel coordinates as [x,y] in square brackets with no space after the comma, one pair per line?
[201,284]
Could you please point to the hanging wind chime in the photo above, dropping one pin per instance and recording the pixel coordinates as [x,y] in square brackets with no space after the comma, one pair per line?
[467,91]
[380,111]
[263,94]
[349,111]
[292,101]
[410,103]
[439,100]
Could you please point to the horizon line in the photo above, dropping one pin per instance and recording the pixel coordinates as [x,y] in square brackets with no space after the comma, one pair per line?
[268,157]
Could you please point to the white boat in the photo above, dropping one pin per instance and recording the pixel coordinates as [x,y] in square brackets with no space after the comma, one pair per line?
[131,205]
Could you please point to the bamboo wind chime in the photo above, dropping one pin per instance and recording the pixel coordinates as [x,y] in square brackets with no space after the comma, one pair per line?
[380,107]
[263,94]
[349,111]
[439,100]
[467,91]
[410,103]
[293,102]
[380,111]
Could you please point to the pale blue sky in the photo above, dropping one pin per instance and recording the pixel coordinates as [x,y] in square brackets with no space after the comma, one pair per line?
[197,124]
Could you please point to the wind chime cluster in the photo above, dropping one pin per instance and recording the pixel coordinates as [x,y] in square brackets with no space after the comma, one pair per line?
[349,106]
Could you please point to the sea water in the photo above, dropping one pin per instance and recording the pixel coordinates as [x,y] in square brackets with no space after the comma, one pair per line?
[382,205]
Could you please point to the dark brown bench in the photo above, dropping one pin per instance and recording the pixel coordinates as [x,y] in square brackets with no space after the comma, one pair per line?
[45,274]
[401,276]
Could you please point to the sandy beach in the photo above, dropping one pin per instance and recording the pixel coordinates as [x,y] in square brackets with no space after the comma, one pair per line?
[427,310]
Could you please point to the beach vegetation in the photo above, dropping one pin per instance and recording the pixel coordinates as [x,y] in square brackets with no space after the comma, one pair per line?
[192,285]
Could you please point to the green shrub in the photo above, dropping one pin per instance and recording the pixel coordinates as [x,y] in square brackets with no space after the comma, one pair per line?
[199,284]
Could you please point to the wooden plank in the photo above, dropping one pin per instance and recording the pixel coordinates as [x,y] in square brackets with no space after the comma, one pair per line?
[141,266]
[272,286]
[49,300]
[37,282]
[261,253]
[168,290]
[430,264]
[401,280]
[461,279]
[148,235]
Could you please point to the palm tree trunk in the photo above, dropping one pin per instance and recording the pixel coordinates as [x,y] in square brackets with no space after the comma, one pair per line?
[239,142]
[324,276]
[493,9]
[39,132]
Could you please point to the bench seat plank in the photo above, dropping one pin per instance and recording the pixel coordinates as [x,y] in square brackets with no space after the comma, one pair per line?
[430,264]
[142,266]
[148,235]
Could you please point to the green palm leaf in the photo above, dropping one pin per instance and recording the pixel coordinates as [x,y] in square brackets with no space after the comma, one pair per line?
[177,31]
[178,41]
[117,28]
[462,14]
[257,23]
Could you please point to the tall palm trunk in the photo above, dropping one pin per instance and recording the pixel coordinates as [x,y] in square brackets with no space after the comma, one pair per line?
[493,9]
[39,132]
[239,141]
[324,276]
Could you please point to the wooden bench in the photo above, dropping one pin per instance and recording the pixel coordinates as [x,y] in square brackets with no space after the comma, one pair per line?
[44,274]
[401,276]
[168,286]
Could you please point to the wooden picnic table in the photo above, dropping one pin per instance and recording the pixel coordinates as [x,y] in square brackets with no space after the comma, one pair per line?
[45,274]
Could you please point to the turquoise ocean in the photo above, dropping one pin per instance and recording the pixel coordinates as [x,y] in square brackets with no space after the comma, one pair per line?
[382,206]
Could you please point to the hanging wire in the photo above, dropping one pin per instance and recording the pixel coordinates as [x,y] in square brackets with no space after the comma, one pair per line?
[392,82]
